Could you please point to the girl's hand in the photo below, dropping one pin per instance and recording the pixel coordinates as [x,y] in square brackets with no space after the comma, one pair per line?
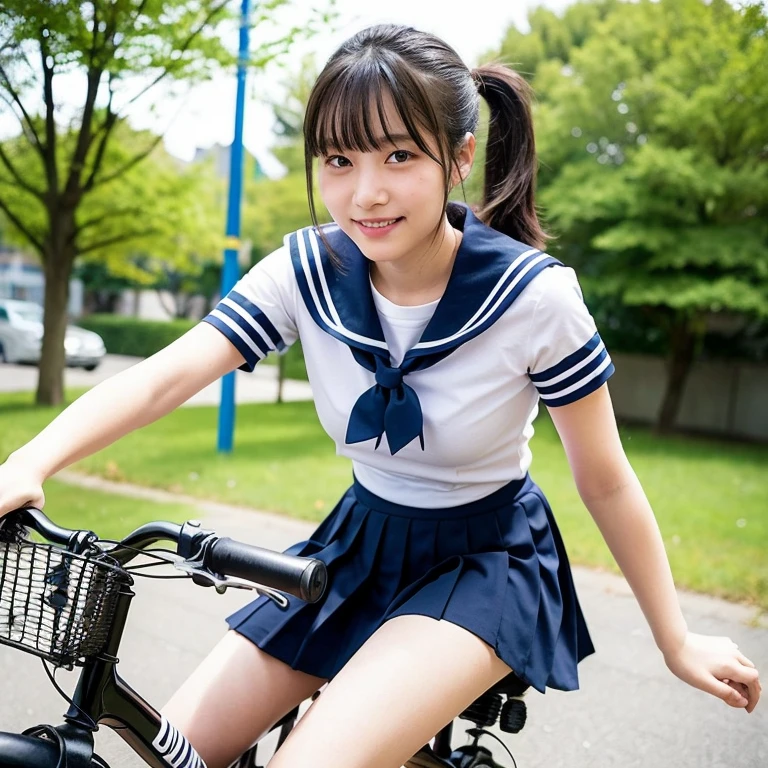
[20,486]
[715,665]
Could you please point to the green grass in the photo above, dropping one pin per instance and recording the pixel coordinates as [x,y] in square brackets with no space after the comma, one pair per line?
[710,497]
[110,516]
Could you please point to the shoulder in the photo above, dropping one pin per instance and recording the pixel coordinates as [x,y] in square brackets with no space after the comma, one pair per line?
[275,266]
[556,283]
[274,260]
[553,289]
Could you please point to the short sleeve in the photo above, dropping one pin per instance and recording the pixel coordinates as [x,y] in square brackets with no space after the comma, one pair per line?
[567,357]
[258,314]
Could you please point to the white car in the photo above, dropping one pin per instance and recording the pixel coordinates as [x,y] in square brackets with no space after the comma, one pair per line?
[21,337]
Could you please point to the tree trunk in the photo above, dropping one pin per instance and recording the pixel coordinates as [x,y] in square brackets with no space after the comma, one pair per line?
[280,376]
[50,382]
[684,339]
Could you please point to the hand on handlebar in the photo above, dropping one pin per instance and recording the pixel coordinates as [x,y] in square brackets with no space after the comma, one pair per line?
[20,486]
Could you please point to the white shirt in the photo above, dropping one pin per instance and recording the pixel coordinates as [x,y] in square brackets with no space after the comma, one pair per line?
[478,403]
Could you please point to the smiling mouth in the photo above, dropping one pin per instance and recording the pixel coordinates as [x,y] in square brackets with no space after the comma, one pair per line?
[378,224]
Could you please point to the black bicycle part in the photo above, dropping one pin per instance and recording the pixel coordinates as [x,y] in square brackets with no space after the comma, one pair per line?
[44,746]
[18,751]
[484,711]
[513,716]
[299,576]
[101,697]
[475,756]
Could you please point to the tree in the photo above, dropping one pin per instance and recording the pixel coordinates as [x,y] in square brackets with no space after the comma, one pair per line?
[652,138]
[275,207]
[122,49]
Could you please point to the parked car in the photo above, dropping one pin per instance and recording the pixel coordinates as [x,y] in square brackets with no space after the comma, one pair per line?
[21,337]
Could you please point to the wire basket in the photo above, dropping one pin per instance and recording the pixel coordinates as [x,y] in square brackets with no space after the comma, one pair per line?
[53,603]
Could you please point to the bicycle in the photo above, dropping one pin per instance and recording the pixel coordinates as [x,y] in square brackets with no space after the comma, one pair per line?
[66,600]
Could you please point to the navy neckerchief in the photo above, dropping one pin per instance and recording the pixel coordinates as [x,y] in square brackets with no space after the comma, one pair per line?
[489,273]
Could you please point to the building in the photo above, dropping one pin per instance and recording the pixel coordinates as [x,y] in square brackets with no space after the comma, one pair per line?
[21,277]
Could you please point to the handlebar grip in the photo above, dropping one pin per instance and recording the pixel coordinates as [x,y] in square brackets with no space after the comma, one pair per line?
[302,577]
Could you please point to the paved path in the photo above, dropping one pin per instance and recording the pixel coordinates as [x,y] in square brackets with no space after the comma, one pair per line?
[629,713]
[259,386]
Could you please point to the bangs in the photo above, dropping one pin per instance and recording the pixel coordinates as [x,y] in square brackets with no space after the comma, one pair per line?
[348,110]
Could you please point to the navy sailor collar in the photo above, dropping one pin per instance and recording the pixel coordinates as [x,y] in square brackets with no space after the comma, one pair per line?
[489,272]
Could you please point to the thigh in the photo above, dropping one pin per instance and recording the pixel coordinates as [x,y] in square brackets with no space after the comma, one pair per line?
[236,694]
[411,678]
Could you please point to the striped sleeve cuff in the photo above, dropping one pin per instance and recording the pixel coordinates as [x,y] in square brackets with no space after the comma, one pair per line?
[576,376]
[247,327]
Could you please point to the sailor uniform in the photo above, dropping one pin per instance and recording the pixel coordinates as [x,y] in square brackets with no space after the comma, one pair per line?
[434,405]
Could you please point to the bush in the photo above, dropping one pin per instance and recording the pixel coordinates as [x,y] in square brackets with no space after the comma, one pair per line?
[131,336]
[294,363]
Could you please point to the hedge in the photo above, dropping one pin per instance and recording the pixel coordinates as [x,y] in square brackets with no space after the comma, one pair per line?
[142,338]
[131,336]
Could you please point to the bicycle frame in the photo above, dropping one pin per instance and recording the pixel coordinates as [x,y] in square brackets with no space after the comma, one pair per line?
[102,697]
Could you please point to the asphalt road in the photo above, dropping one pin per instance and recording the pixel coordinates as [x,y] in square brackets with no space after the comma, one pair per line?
[629,713]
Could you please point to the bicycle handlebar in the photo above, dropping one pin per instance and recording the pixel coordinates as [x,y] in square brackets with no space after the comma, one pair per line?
[301,577]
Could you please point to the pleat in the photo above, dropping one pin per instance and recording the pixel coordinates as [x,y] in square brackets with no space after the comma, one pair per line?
[549,614]
[284,632]
[497,568]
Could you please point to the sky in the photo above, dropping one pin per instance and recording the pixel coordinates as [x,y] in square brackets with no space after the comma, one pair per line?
[204,114]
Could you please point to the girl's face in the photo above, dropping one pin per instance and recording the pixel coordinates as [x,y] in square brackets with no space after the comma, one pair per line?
[389,201]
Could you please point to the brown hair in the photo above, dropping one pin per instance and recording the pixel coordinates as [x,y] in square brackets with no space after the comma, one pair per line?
[435,96]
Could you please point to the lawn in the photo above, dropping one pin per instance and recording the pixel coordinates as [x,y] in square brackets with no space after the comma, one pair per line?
[710,497]
[110,516]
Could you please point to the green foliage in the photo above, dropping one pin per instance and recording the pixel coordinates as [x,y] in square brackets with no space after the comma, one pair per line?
[650,126]
[550,36]
[273,208]
[652,141]
[131,336]
[116,52]
[295,368]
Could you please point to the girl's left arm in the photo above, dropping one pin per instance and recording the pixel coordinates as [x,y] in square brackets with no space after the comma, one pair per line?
[612,493]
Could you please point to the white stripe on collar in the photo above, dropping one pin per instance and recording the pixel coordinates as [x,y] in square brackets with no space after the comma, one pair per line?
[334,324]
[493,301]
[480,316]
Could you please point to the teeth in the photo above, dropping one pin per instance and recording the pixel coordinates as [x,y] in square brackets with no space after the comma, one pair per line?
[378,224]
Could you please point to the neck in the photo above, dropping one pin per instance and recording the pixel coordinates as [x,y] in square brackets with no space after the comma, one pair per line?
[422,278]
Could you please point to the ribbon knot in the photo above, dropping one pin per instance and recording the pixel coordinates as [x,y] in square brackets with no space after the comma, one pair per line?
[389,378]
[389,407]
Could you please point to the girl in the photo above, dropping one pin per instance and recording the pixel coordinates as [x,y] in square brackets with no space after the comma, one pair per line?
[430,333]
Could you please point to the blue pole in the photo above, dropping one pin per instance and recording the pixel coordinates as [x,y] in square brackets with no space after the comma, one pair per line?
[231,272]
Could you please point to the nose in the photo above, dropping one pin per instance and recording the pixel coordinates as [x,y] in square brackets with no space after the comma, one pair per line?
[370,190]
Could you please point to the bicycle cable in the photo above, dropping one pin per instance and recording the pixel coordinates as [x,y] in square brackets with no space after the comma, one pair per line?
[477,732]
[65,696]
[134,569]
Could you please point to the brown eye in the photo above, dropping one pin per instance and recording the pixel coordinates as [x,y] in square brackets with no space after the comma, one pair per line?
[400,156]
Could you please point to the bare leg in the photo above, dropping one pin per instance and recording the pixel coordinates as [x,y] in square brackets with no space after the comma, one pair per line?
[409,680]
[236,694]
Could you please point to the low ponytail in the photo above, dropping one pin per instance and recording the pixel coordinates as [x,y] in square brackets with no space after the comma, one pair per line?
[510,163]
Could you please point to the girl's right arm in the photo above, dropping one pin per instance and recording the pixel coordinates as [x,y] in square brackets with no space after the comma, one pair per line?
[131,399]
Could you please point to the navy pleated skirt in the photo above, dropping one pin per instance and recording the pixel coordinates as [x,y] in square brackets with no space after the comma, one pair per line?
[496,567]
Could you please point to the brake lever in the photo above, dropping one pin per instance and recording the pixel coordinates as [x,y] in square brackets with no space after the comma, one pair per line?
[222,583]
